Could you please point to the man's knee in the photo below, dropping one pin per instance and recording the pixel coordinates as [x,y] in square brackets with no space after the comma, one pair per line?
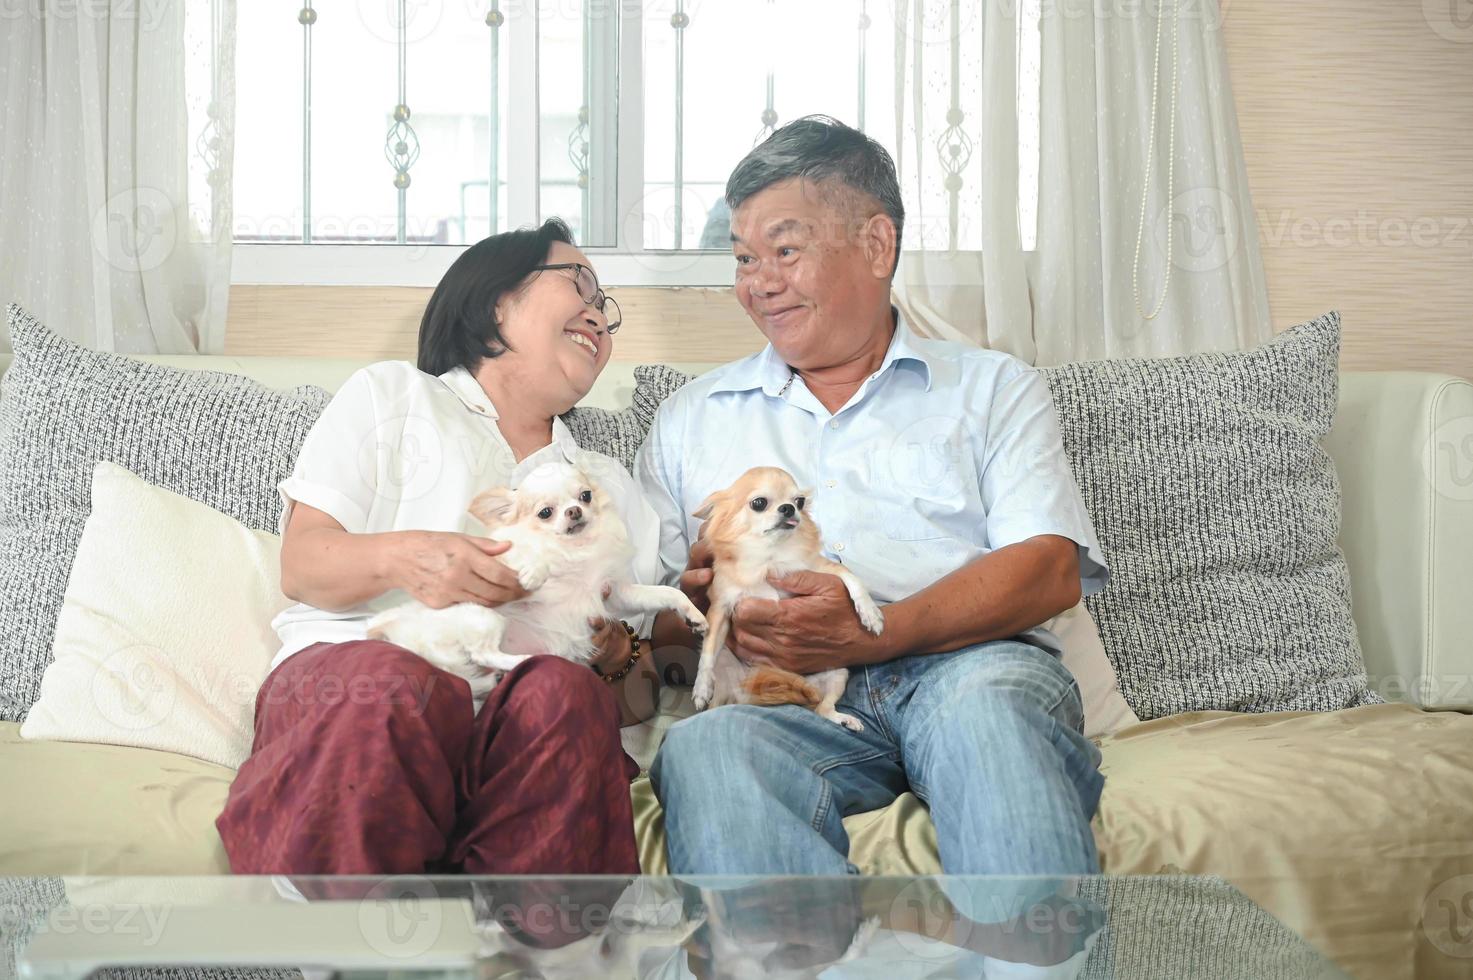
[713,739]
[1012,683]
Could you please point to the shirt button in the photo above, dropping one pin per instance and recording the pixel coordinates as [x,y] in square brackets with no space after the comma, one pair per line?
[839,546]
[831,483]
[834,424]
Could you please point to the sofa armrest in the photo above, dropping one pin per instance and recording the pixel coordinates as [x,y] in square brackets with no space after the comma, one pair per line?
[1403,447]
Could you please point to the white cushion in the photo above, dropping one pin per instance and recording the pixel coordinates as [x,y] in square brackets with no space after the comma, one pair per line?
[165,633]
[1105,710]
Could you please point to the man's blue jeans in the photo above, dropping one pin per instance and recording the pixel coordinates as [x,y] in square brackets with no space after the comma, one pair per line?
[988,737]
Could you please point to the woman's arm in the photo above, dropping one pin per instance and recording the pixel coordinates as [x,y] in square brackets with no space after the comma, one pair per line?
[326,566]
[638,692]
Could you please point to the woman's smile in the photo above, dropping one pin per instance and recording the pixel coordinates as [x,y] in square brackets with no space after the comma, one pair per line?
[583,339]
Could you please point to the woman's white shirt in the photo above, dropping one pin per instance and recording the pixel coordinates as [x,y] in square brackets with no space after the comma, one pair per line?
[398,450]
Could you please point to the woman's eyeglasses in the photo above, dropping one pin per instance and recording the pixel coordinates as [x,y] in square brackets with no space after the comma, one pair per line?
[589,292]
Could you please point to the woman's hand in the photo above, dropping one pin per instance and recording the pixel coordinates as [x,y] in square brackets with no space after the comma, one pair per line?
[611,646]
[441,568]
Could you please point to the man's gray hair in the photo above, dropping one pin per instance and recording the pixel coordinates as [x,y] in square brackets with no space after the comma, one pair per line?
[821,149]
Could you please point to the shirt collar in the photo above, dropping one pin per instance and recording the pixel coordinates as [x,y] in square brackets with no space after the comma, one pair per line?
[767,371]
[465,387]
[469,391]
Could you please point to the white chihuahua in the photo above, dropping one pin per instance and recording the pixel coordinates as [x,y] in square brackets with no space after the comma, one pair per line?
[758,527]
[570,550]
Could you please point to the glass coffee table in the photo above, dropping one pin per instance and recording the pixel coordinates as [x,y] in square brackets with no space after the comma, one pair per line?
[452,927]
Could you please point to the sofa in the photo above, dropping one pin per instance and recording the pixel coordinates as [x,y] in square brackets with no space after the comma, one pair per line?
[1349,826]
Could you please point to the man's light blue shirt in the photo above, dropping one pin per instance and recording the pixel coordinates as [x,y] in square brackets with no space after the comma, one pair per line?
[945,453]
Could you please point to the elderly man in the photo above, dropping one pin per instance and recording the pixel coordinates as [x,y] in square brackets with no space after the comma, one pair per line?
[940,481]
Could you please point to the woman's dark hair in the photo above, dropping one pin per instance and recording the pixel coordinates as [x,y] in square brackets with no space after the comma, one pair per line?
[459,327]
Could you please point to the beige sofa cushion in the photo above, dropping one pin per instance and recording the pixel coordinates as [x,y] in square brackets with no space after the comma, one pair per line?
[108,809]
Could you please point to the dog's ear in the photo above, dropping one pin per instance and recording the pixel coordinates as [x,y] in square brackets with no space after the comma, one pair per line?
[492,506]
[708,506]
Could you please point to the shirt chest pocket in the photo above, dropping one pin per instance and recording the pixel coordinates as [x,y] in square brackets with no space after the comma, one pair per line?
[924,483]
[920,519]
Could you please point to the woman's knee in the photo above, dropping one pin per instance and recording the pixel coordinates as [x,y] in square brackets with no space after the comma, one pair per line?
[374,676]
[560,691]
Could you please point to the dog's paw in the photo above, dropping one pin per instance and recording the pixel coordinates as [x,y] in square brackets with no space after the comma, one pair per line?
[848,721]
[378,626]
[863,936]
[694,621]
[495,660]
[533,577]
[870,617]
[483,684]
[702,692]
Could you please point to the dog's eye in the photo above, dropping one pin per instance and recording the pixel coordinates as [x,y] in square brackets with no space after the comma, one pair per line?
[545,513]
[586,496]
[800,502]
[759,504]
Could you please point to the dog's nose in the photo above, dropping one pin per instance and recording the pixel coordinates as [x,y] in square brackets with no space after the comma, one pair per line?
[786,510]
[575,513]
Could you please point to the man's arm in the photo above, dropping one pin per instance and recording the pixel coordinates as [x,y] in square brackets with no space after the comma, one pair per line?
[997,596]
[994,597]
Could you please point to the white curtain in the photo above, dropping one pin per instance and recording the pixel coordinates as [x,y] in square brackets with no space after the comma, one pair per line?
[115,181]
[1060,287]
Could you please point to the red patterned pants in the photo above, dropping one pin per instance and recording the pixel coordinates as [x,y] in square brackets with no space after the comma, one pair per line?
[369,760]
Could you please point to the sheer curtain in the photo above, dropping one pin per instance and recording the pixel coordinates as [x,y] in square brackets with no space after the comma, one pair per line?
[115,181]
[962,274]
[1064,285]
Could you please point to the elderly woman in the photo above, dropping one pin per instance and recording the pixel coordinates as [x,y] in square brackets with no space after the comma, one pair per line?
[367,759]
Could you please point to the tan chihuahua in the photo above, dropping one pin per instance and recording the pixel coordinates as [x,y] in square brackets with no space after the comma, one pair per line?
[757,527]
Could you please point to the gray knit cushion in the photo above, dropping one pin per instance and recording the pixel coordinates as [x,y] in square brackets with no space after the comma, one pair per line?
[1219,514]
[218,438]
[620,434]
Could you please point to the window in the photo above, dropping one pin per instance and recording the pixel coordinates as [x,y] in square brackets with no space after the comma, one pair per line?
[390,122]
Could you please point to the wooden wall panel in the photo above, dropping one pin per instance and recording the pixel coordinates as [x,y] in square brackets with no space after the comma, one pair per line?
[1357,125]
[378,322]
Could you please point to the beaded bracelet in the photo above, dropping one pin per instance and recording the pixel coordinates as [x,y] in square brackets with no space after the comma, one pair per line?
[634,658]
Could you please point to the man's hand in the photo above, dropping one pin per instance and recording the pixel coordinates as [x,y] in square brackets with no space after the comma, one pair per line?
[696,579]
[669,634]
[816,629]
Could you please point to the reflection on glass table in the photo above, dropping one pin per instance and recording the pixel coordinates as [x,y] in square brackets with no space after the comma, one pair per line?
[357,928]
